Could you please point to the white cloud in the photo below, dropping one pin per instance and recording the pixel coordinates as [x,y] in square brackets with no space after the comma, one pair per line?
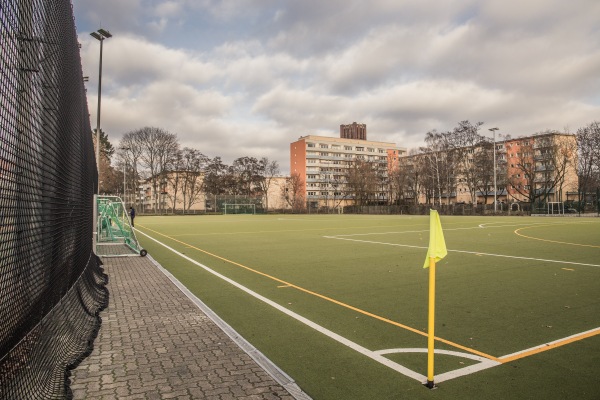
[235,79]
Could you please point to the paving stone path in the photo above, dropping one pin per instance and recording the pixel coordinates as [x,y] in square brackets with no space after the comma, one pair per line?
[156,343]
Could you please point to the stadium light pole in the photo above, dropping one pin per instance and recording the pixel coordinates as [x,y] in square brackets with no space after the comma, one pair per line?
[495,187]
[100,35]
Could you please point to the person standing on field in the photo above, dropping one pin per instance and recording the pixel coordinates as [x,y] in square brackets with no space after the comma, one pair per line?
[132,215]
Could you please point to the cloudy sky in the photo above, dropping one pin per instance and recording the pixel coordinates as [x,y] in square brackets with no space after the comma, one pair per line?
[237,78]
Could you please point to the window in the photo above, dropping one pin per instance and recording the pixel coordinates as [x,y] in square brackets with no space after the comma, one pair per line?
[349,148]
[360,149]
[310,145]
[323,146]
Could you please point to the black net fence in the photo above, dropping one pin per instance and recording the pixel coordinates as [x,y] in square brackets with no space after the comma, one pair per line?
[52,287]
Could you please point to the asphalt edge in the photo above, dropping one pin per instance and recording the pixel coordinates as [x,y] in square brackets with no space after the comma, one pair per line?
[265,363]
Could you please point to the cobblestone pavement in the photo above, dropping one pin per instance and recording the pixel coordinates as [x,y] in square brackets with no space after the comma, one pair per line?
[156,343]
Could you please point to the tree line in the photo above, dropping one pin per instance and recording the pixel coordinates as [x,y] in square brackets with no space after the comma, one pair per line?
[463,159]
[155,156]
[458,159]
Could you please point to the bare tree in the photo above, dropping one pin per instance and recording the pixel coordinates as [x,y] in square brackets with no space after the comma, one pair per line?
[216,178]
[157,151]
[539,168]
[293,192]
[131,148]
[588,162]
[268,170]
[415,167]
[247,173]
[437,155]
[193,166]
[362,181]
[483,171]
[465,142]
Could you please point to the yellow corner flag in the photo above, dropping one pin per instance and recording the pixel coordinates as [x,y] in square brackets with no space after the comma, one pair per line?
[437,244]
[437,251]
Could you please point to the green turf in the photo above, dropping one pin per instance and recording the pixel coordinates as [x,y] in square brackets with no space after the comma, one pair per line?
[491,304]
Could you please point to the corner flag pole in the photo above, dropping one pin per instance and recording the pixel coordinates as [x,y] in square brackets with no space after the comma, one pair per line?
[436,251]
[431,324]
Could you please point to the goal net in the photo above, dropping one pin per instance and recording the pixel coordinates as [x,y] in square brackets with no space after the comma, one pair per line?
[115,235]
[239,208]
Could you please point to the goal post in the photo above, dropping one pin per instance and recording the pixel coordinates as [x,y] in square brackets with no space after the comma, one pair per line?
[235,208]
[115,235]
[556,208]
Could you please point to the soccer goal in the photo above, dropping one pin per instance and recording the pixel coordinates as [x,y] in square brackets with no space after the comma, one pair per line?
[556,208]
[239,208]
[114,234]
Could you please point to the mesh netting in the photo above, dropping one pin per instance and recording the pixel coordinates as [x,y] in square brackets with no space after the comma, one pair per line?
[51,285]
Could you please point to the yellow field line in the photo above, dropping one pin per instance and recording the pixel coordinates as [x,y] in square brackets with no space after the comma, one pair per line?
[375,316]
[549,346]
[550,241]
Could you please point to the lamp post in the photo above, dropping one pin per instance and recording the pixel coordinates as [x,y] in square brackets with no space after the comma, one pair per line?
[100,35]
[495,187]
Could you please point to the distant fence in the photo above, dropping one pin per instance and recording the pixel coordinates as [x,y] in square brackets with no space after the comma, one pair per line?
[51,285]
[516,208]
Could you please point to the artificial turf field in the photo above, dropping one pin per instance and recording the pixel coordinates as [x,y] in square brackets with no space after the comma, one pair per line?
[339,302]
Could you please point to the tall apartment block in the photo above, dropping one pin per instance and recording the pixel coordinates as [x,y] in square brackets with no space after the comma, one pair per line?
[321,162]
[353,131]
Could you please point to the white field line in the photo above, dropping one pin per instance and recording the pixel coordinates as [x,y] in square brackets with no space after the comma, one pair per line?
[484,363]
[378,355]
[480,226]
[371,354]
[464,251]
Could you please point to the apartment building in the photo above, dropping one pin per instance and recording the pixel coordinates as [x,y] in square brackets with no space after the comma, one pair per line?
[542,166]
[322,164]
[353,131]
[539,167]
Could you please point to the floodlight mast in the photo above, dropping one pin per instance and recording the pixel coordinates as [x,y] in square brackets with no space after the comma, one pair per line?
[99,35]
[495,187]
